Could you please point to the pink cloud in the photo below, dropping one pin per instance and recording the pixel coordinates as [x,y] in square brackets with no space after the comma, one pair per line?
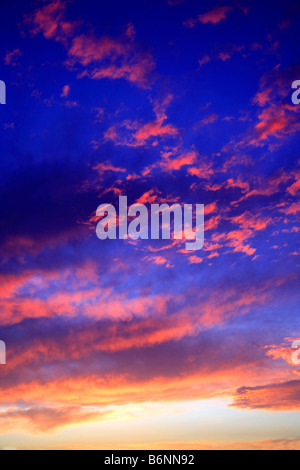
[51,22]
[105,167]
[112,58]
[292,209]
[154,129]
[150,197]
[134,134]
[195,260]
[268,187]
[205,60]
[211,119]
[39,417]
[90,49]
[224,56]
[102,57]
[12,57]
[213,17]
[65,91]
[294,189]
[277,120]
[175,161]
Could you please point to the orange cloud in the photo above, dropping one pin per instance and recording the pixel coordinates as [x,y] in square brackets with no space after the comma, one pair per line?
[39,418]
[279,397]
[283,351]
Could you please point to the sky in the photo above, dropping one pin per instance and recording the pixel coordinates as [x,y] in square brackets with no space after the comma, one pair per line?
[140,344]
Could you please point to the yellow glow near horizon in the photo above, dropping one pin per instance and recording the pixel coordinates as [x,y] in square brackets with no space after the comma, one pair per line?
[157,426]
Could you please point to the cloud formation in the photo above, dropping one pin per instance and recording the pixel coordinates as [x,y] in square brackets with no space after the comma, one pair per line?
[116,102]
[100,58]
[213,17]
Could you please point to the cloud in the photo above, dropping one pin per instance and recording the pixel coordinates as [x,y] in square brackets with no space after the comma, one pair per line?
[276,183]
[195,260]
[100,58]
[283,351]
[11,58]
[138,134]
[291,209]
[105,167]
[122,134]
[159,260]
[154,129]
[117,58]
[211,119]
[224,55]
[279,396]
[213,17]
[204,60]
[150,197]
[240,238]
[295,187]
[35,417]
[51,22]
[77,328]
[101,359]
[65,91]
[249,224]
[277,119]
[177,159]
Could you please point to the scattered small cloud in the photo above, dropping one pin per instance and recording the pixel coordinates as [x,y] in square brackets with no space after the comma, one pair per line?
[12,58]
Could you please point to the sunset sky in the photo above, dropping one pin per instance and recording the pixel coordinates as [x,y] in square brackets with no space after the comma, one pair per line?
[124,344]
